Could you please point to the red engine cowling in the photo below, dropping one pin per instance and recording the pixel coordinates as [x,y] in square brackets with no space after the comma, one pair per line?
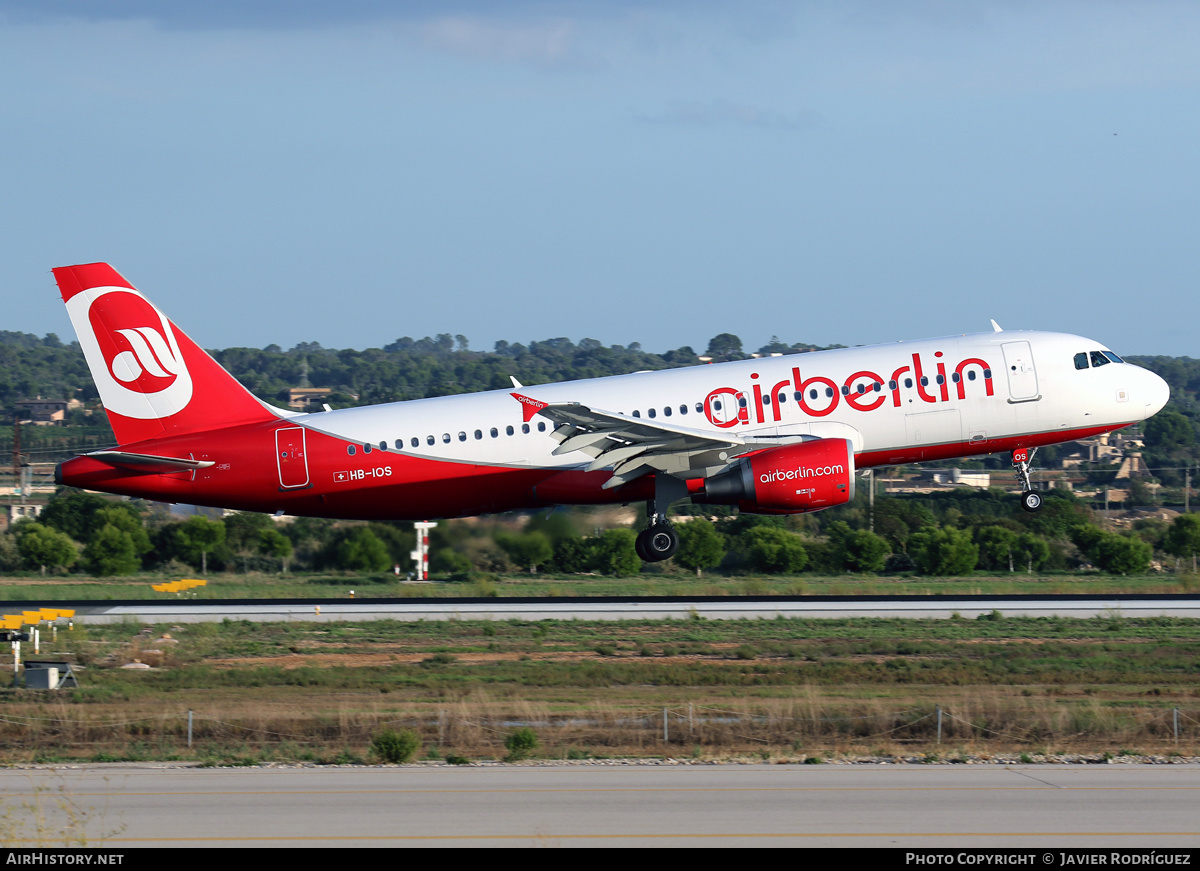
[803,477]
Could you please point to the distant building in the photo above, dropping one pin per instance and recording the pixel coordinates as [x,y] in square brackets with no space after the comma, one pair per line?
[44,412]
[303,397]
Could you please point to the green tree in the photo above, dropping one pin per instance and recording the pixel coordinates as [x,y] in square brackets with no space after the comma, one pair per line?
[725,346]
[856,550]
[74,513]
[126,518]
[273,543]
[1168,429]
[1031,551]
[198,536]
[1183,538]
[700,545]
[945,551]
[614,553]
[111,551]
[1122,554]
[358,549]
[769,549]
[42,547]
[530,549]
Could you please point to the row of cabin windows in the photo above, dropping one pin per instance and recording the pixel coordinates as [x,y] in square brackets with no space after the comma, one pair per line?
[1098,358]
[415,441]
[667,411]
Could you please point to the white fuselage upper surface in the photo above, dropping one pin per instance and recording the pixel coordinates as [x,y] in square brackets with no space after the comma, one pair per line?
[972,390]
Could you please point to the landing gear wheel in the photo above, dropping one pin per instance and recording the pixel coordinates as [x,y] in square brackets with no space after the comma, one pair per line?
[1031,500]
[657,543]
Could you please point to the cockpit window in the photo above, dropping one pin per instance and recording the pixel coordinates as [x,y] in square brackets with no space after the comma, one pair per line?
[1110,355]
[1098,359]
[1081,360]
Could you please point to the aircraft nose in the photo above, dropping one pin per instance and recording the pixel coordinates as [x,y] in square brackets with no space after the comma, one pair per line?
[1157,393]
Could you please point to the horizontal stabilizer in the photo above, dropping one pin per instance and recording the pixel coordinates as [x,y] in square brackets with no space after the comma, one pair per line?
[149,462]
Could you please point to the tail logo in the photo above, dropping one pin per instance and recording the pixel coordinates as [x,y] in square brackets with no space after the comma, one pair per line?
[132,351]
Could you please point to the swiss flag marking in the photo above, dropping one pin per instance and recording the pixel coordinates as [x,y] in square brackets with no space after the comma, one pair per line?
[341,477]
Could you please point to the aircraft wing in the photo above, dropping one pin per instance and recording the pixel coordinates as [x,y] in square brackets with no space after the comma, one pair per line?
[635,446]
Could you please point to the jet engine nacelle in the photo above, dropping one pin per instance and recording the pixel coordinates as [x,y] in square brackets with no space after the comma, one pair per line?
[795,479]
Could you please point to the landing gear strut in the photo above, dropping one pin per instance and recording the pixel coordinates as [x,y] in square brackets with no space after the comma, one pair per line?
[1031,500]
[659,540]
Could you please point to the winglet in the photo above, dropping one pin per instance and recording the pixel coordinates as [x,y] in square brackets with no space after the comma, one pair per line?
[529,407]
[996,328]
[517,384]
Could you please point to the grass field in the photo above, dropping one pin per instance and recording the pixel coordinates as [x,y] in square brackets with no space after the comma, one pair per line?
[782,689]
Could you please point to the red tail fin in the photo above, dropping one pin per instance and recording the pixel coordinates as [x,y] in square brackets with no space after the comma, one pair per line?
[152,379]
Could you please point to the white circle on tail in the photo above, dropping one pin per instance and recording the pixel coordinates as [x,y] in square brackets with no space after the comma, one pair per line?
[132,352]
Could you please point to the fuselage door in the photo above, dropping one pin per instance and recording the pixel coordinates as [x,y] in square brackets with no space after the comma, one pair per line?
[725,407]
[1022,378]
[291,457]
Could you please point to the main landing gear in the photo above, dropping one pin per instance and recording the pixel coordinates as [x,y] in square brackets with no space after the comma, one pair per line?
[659,540]
[1031,500]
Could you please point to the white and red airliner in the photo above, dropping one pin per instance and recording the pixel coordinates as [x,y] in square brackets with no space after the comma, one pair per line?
[778,435]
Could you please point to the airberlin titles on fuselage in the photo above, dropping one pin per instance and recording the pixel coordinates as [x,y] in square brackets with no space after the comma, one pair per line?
[863,391]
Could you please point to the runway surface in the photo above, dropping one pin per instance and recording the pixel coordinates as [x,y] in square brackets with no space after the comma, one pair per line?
[660,608]
[1045,806]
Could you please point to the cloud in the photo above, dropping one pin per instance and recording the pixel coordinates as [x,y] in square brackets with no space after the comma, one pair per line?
[726,113]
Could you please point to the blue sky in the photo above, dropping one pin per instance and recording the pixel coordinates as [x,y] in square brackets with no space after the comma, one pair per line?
[659,172]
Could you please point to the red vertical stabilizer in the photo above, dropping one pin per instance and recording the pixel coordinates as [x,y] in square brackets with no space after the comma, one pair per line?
[153,380]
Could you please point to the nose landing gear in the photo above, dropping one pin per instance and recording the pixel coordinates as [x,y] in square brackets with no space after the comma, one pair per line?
[1031,500]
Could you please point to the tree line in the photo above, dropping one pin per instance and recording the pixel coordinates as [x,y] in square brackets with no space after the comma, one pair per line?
[941,534]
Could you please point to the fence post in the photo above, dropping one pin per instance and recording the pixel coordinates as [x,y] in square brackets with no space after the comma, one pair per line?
[939,726]
[1175,712]
[189,730]
[666,737]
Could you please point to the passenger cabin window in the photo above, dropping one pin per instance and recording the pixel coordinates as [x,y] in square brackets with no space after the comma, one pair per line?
[478,433]
[462,436]
[495,432]
[652,413]
[446,438]
[429,440]
[415,441]
[366,449]
[1081,360]
[525,428]
[667,411]
[351,450]
[541,426]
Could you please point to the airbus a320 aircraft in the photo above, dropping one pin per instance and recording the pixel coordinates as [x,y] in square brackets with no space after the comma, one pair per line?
[780,435]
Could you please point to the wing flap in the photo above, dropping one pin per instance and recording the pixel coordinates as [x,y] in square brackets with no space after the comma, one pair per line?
[636,446]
